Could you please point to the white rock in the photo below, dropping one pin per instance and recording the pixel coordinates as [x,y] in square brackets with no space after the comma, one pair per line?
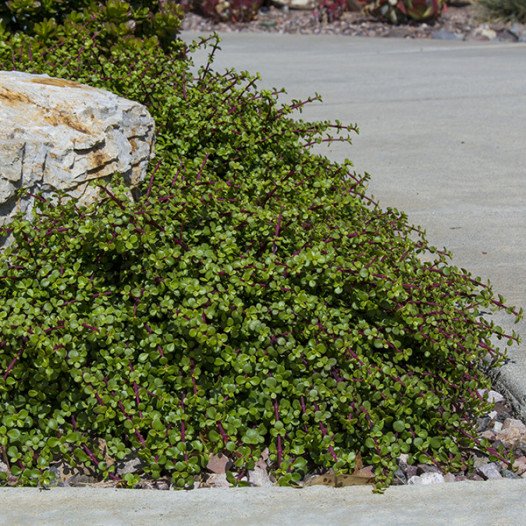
[493,396]
[497,426]
[217,480]
[485,32]
[296,4]
[59,135]
[259,477]
[426,479]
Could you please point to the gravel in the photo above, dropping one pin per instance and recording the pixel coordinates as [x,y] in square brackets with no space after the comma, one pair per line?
[457,23]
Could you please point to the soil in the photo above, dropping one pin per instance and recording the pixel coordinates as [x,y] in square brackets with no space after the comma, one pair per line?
[461,22]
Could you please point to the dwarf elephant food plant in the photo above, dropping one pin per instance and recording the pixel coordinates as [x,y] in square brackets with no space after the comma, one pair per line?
[505,9]
[253,297]
[398,11]
[228,10]
[118,20]
[331,10]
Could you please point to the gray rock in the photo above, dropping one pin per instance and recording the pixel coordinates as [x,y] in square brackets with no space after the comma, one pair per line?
[497,426]
[78,481]
[132,464]
[399,477]
[3,467]
[443,34]
[60,135]
[517,30]
[449,477]
[480,461]
[489,471]
[411,471]
[507,474]
[483,423]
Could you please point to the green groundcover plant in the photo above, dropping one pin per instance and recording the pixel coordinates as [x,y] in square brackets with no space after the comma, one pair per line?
[253,296]
[514,10]
[115,19]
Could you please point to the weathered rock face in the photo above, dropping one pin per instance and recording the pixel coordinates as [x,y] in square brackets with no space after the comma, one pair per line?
[59,135]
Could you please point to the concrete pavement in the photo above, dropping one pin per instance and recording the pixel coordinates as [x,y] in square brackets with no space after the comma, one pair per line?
[461,503]
[442,132]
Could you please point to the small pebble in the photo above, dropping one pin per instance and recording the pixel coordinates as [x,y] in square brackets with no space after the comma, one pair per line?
[427,468]
[218,463]
[520,465]
[217,480]
[493,396]
[489,471]
[399,477]
[507,474]
[427,479]
[259,477]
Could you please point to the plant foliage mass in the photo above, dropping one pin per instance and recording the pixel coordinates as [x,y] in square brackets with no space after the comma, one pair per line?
[253,297]
[513,10]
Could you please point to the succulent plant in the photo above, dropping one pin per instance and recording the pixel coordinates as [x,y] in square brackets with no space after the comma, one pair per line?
[398,11]
[331,10]
[118,20]
[229,10]
[254,297]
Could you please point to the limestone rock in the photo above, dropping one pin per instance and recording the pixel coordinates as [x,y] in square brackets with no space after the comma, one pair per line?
[259,477]
[296,4]
[484,32]
[217,480]
[513,433]
[59,135]
[493,396]
[426,479]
